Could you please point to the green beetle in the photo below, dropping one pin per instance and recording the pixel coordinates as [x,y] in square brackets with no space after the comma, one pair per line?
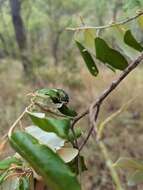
[56,95]
[54,98]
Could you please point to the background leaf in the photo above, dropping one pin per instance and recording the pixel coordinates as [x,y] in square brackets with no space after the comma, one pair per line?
[128,163]
[135,178]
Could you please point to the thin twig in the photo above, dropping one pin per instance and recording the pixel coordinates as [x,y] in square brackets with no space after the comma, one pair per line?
[91,129]
[17,121]
[106,26]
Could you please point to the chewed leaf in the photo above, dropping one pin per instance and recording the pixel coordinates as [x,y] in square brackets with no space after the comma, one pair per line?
[109,56]
[47,138]
[128,163]
[38,114]
[67,154]
[59,126]
[89,61]
[130,40]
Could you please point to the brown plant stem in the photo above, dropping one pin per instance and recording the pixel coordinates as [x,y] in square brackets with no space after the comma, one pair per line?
[97,103]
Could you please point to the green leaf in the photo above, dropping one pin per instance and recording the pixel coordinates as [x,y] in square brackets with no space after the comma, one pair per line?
[131,41]
[135,178]
[89,36]
[3,176]
[140,21]
[108,55]
[78,133]
[74,165]
[45,162]
[88,59]
[6,163]
[23,183]
[67,111]
[59,126]
[128,163]
[117,33]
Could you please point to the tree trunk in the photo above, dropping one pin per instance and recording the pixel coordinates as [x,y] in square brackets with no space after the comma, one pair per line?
[20,35]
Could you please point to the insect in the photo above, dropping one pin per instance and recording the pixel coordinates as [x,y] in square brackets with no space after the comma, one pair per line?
[53,98]
[58,96]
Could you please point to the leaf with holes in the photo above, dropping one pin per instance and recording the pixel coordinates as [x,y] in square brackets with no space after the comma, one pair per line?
[59,126]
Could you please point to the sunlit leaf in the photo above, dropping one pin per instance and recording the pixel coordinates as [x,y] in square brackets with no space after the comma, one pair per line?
[67,154]
[6,163]
[45,162]
[117,33]
[89,36]
[131,41]
[59,126]
[140,21]
[47,138]
[128,163]
[89,61]
[108,55]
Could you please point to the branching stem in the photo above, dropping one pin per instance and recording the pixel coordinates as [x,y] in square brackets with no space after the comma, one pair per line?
[97,103]
[108,25]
